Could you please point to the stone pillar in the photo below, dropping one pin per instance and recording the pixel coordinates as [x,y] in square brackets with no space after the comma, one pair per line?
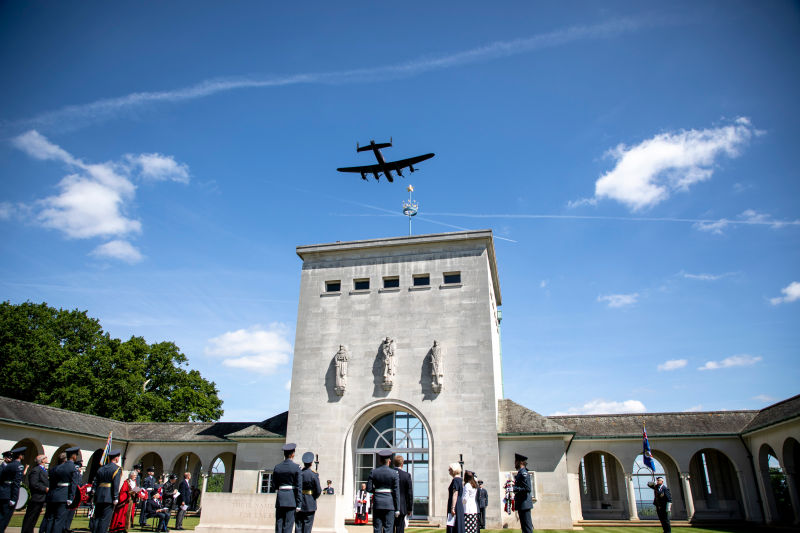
[745,500]
[634,514]
[203,489]
[687,495]
[793,496]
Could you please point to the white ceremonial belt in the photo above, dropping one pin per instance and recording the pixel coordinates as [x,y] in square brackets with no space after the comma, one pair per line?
[8,482]
[286,487]
[383,490]
[60,484]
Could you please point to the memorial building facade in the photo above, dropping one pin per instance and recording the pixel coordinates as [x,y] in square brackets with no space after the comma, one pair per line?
[398,346]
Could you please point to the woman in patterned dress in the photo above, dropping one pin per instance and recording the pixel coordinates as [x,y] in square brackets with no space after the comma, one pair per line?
[470,499]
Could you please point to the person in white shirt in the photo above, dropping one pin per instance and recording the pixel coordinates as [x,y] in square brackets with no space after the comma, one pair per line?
[470,499]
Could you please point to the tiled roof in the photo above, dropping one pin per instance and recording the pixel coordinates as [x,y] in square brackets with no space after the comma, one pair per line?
[775,413]
[514,418]
[658,424]
[34,414]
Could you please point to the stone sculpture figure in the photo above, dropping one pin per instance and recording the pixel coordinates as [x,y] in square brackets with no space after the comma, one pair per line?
[437,367]
[389,367]
[341,370]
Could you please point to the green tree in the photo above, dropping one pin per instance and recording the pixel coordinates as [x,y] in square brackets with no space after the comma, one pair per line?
[65,359]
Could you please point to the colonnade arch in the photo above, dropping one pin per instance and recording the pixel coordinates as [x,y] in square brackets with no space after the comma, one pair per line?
[221,472]
[775,483]
[667,468]
[34,448]
[602,487]
[149,459]
[715,486]
[92,465]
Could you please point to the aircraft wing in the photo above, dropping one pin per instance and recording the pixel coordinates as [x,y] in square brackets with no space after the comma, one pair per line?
[367,169]
[403,163]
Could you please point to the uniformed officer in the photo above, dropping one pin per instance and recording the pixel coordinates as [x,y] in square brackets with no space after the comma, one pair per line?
[383,483]
[61,493]
[523,502]
[77,477]
[105,488]
[286,477]
[311,490]
[10,479]
[148,484]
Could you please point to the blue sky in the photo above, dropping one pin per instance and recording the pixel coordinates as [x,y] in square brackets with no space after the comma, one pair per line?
[159,162]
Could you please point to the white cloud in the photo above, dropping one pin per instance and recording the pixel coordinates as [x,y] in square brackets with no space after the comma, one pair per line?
[694,409]
[752,216]
[600,407]
[119,249]
[256,349]
[672,364]
[93,198]
[288,385]
[704,277]
[6,210]
[85,208]
[543,284]
[646,174]
[734,360]
[159,167]
[716,227]
[764,398]
[791,293]
[619,300]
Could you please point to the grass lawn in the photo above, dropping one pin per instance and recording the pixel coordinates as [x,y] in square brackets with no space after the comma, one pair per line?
[654,529]
[81,522]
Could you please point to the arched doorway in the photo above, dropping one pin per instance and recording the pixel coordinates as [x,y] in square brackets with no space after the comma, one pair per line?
[62,449]
[715,486]
[775,486]
[602,487]
[404,434]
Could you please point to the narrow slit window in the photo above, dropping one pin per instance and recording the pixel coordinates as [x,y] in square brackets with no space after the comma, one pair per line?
[605,477]
[333,286]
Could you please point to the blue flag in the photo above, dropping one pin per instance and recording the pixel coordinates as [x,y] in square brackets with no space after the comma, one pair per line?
[646,453]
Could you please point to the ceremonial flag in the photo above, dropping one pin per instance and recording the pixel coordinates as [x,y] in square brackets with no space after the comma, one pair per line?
[648,455]
[106,450]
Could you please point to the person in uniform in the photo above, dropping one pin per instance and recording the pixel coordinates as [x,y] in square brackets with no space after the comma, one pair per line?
[286,478]
[483,503]
[148,484]
[523,502]
[405,495]
[154,507]
[76,501]
[39,484]
[105,488]
[329,489]
[662,499]
[61,493]
[10,480]
[383,483]
[311,490]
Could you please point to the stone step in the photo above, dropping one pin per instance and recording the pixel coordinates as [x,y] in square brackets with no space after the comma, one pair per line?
[411,523]
[628,523]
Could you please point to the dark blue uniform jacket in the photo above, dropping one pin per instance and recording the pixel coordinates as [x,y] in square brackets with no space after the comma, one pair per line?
[383,484]
[287,475]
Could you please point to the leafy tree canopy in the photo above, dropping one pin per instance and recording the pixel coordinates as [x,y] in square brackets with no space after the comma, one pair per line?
[65,359]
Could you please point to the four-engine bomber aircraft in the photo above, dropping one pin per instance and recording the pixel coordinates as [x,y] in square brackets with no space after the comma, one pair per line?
[384,167]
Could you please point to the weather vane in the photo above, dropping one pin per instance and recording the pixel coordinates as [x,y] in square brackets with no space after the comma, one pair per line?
[410,207]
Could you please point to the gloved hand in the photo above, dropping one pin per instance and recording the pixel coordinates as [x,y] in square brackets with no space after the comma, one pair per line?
[297,509]
[116,502]
[396,514]
[12,504]
[69,502]
[669,506]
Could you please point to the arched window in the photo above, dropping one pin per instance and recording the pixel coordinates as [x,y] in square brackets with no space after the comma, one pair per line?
[402,433]
[644,494]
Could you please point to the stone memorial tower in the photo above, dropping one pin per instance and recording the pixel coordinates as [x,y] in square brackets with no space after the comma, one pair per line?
[398,347]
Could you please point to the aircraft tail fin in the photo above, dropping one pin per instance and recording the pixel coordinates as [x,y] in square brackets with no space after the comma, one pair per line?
[371,145]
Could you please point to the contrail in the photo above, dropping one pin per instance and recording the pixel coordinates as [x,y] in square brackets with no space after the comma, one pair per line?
[73,116]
